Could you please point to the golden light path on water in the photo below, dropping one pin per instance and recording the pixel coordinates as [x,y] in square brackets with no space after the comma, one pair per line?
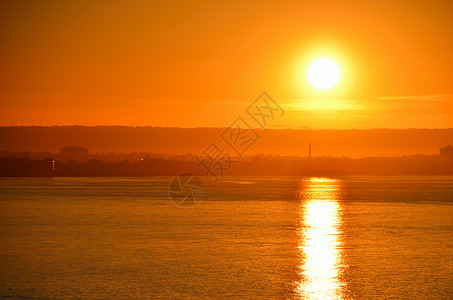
[319,239]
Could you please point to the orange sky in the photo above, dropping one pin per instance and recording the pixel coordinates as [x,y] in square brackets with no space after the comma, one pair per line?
[200,63]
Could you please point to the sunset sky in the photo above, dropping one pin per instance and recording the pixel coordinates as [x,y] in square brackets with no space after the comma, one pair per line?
[201,63]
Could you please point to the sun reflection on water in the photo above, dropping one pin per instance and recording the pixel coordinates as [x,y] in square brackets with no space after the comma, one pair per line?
[319,243]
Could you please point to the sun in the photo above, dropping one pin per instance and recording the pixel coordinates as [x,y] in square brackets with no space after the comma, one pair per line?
[323,73]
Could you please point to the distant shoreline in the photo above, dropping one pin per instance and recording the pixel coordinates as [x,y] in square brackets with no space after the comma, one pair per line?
[273,166]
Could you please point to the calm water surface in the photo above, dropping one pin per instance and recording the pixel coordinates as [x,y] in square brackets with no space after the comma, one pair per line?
[250,237]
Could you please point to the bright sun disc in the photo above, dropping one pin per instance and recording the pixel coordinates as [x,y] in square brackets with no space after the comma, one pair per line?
[323,73]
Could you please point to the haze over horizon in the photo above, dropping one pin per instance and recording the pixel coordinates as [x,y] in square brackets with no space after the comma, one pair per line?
[351,143]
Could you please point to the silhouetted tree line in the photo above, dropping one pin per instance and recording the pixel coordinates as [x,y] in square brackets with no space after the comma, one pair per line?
[14,166]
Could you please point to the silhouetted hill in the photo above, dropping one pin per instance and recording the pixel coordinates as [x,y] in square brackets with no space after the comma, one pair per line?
[353,143]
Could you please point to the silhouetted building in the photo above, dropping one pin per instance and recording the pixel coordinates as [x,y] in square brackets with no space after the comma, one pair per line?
[446,152]
[74,153]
